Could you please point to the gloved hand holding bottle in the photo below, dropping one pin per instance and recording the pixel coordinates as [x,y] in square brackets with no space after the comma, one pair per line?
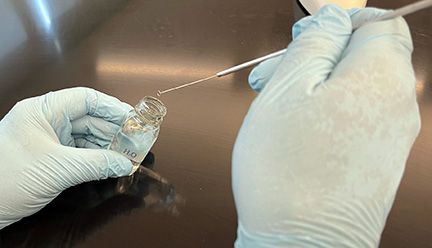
[41,142]
[322,150]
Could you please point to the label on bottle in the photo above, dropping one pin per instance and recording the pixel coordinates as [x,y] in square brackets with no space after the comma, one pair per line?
[134,147]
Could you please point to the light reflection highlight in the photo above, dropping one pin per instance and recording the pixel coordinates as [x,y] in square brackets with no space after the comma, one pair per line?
[420,83]
[58,46]
[419,87]
[150,70]
[43,11]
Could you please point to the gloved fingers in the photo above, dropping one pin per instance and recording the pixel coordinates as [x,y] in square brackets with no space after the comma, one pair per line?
[95,126]
[361,15]
[261,74]
[379,56]
[394,29]
[317,46]
[62,107]
[85,101]
[89,141]
[83,165]
[318,43]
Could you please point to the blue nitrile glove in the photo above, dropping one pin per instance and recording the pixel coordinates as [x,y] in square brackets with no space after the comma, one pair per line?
[322,150]
[41,148]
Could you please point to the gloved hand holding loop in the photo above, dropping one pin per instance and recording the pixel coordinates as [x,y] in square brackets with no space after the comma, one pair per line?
[322,150]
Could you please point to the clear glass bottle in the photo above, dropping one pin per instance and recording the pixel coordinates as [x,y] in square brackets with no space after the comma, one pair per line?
[140,130]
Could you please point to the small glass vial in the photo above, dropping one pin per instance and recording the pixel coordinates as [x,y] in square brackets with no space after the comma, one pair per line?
[139,131]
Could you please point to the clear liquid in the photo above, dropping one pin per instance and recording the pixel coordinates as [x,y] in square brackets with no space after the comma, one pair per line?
[133,144]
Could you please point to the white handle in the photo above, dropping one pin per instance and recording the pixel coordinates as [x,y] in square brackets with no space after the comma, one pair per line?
[250,63]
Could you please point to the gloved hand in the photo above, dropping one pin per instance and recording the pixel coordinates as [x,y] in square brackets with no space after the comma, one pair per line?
[322,150]
[42,141]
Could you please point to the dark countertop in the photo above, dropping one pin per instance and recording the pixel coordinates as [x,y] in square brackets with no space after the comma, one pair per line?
[132,48]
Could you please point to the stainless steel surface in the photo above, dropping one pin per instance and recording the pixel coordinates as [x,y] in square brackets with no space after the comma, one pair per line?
[409,9]
[132,48]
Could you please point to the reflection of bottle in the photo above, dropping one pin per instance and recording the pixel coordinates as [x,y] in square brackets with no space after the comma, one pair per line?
[140,130]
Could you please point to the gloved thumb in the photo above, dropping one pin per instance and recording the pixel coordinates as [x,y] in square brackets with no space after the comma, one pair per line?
[83,165]
[317,46]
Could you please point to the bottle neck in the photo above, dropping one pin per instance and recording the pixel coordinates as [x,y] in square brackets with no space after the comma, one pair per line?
[150,111]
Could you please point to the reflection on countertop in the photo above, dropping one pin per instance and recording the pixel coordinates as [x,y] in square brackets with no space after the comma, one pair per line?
[83,209]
